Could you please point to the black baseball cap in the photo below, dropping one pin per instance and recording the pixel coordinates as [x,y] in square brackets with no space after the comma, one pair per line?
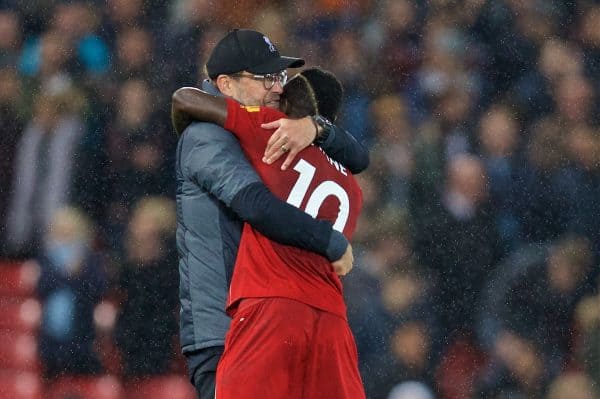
[247,50]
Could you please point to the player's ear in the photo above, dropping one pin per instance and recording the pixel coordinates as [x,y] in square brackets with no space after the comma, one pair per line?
[224,84]
[284,105]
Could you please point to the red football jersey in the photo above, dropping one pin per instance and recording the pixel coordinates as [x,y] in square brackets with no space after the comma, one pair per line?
[318,185]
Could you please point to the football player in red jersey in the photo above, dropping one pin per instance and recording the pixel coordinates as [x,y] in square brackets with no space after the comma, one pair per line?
[289,336]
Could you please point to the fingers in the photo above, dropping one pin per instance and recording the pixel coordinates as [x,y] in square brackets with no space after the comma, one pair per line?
[278,147]
[289,159]
[272,125]
[290,136]
[272,146]
[275,136]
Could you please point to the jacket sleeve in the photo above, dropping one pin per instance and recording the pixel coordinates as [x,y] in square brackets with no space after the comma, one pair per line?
[213,158]
[344,148]
[256,205]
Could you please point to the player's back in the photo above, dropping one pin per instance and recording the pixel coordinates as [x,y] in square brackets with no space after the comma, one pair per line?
[316,184]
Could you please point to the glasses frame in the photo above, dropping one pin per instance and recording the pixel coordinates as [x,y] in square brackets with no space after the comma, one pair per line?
[268,79]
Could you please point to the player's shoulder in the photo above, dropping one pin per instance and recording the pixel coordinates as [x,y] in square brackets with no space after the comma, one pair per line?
[198,129]
[257,114]
[204,132]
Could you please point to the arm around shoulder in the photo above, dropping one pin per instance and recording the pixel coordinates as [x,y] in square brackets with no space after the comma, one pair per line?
[281,222]
[190,103]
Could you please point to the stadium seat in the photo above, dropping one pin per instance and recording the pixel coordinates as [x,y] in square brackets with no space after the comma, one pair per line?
[18,351]
[161,387]
[102,387]
[20,315]
[19,279]
[20,385]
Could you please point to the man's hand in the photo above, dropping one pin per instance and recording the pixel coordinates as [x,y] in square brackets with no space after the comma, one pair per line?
[290,137]
[343,265]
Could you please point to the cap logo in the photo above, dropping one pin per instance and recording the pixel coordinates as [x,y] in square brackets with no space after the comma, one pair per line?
[271,45]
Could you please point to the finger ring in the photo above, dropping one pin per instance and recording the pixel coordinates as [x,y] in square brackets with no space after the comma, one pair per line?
[284,148]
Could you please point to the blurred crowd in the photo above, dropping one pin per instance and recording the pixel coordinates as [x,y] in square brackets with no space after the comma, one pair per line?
[477,267]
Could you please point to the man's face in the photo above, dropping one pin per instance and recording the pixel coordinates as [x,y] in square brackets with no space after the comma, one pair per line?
[249,91]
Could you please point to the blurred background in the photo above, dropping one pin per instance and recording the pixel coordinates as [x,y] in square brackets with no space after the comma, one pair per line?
[477,268]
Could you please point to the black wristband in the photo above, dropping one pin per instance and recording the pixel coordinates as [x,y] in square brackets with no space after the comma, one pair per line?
[326,127]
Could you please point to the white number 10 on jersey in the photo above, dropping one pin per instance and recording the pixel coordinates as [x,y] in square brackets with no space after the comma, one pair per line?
[318,196]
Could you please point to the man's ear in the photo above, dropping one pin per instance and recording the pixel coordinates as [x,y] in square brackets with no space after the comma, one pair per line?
[224,84]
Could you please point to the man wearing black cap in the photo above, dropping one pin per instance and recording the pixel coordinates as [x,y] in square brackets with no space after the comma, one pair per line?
[216,187]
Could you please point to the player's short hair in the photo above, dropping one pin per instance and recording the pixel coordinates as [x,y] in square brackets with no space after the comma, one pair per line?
[313,91]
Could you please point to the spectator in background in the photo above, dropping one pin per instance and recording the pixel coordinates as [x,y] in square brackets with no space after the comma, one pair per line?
[35,15]
[495,26]
[345,61]
[134,50]
[71,284]
[582,181]
[527,313]
[147,322]
[120,16]
[376,261]
[392,156]
[77,22]
[587,316]
[44,162]
[46,63]
[574,100]
[412,342]
[128,161]
[428,172]
[186,29]
[10,38]
[498,144]
[544,213]
[459,224]
[368,222]
[11,126]
[443,86]
[573,386]
[138,151]
[589,35]
[399,23]
[533,91]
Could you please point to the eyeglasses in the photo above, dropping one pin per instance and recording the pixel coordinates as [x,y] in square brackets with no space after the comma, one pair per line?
[269,79]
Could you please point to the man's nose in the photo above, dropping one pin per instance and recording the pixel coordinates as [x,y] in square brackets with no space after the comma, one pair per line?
[277,87]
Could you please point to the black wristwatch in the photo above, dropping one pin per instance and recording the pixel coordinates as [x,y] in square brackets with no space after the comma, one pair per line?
[326,128]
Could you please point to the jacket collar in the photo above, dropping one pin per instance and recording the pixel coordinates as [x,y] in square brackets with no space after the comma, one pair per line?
[210,88]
